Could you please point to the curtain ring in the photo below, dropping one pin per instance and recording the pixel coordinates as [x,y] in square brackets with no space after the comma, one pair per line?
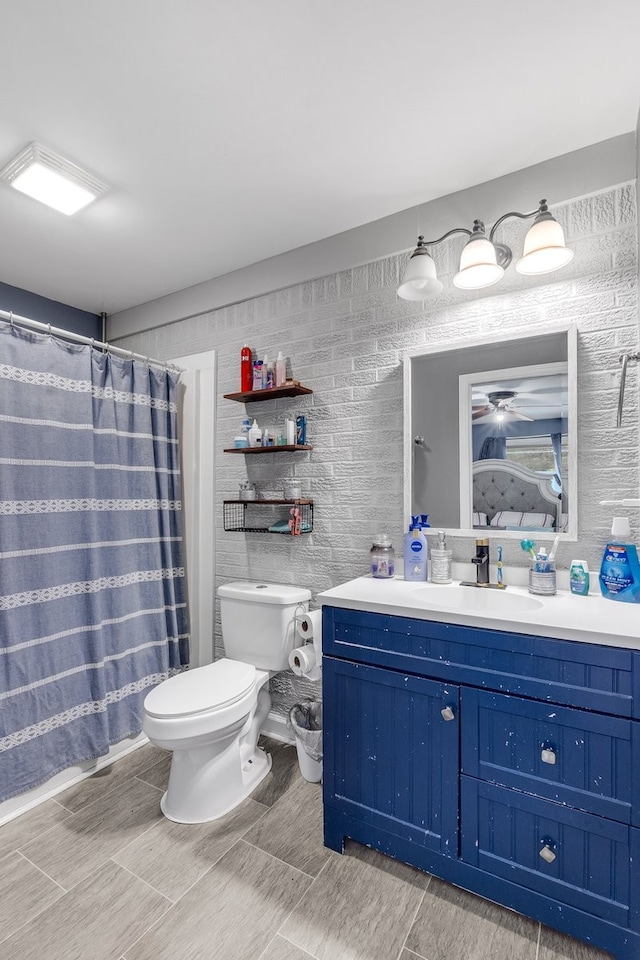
[49,329]
[11,318]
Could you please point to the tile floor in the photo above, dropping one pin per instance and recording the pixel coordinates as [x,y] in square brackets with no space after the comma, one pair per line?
[98,874]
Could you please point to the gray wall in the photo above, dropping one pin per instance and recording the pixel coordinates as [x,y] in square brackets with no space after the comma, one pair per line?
[575,174]
[346,335]
[32,305]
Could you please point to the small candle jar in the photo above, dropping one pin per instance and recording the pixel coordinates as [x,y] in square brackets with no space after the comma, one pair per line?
[382,557]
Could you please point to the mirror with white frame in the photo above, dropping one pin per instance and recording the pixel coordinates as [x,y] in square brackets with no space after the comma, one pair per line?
[490,435]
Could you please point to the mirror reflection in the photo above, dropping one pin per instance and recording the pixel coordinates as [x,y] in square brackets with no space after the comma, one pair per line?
[518,432]
[490,435]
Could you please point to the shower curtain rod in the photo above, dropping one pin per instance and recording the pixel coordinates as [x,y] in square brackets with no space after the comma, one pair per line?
[78,338]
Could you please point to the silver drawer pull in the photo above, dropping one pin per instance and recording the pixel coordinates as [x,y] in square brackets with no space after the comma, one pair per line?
[447,713]
[547,853]
[548,755]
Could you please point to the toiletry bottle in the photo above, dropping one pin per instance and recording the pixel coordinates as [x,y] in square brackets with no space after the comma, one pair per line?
[301,429]
[269,377]
[257,374]
[620,569]
[415,555]
[281,370]
[579,578]
[255,435]
[441,561]
[246,369]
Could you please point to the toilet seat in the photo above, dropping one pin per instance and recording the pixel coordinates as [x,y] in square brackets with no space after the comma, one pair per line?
[207,689]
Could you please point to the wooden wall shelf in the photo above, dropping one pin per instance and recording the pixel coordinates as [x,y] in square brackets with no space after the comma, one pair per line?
[251,396]
[275,449]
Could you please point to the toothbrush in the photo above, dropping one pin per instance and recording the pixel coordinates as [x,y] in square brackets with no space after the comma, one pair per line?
[554,550]
[529,547]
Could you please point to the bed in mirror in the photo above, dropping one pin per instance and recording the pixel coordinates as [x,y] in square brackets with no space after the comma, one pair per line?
[490,435]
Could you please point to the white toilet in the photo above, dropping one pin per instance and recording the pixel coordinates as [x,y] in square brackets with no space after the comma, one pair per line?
[211,717]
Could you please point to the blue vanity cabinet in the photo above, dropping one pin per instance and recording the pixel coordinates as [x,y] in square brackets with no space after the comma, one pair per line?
[505,763]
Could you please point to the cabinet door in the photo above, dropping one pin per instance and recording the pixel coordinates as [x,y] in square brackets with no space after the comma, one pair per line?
[391,754]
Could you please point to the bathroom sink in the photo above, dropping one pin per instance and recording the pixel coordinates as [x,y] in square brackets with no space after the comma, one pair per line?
[474,599]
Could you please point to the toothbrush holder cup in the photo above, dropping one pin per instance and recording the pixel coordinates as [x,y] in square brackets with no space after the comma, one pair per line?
[542,577]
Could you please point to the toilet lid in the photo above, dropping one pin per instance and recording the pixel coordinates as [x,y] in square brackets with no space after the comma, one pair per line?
[206,688]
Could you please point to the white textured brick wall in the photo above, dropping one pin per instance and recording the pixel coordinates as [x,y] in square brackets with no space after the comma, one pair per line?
[346,335]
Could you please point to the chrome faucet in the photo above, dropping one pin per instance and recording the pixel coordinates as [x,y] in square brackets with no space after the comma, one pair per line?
[481,561]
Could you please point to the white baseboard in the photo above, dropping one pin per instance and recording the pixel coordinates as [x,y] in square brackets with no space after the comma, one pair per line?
[275,726]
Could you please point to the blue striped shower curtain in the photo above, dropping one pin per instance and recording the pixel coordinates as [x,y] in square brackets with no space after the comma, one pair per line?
[92,593]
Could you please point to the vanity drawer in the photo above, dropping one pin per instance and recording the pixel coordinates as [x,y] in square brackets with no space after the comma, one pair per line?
[576,858]
[583,759]
[591,676]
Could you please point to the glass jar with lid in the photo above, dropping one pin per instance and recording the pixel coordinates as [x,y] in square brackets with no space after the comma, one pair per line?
[382,557]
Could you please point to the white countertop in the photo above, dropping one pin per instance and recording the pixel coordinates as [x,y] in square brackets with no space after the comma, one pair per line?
[591,619]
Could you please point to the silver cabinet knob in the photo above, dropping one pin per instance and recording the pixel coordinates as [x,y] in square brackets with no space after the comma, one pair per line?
[447,713]
[547,853]
[548,755]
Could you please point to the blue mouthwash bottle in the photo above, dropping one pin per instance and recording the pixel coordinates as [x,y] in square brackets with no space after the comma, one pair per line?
[620,569]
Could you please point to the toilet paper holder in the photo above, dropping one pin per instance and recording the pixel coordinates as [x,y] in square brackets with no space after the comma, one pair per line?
[306,659]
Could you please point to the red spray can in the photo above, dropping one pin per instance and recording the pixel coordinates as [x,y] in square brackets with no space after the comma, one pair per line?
[246,369]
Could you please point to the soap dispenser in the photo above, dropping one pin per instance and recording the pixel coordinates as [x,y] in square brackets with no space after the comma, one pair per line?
[441,560]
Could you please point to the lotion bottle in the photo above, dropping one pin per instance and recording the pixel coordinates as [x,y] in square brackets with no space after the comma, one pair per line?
[281,370]
[415,555]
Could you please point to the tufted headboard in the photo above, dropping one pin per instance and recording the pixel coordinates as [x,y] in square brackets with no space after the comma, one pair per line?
[502,485]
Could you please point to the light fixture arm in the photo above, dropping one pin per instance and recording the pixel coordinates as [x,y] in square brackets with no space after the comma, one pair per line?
[432,243]
[521,216]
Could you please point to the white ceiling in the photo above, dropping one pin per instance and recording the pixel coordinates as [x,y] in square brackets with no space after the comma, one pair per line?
[234,131]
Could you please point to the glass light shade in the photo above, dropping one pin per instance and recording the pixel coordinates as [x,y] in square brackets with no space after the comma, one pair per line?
[478,265]
[420,281]
[544,250]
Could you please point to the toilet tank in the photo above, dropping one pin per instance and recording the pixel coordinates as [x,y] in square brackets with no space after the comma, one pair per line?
[258,622]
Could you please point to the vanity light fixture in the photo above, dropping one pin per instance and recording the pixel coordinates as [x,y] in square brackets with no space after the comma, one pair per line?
[483,261]
[50,178]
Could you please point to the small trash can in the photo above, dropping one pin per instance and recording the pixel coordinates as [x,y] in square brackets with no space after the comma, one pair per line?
[305,720]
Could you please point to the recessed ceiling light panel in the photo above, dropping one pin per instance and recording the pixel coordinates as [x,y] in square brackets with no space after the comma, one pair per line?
[50,178]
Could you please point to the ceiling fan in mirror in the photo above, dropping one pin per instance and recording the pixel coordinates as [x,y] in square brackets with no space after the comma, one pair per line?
[499,407]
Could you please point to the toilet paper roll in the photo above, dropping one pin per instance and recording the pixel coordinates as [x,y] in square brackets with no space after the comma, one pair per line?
[309,625]
[302,661]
